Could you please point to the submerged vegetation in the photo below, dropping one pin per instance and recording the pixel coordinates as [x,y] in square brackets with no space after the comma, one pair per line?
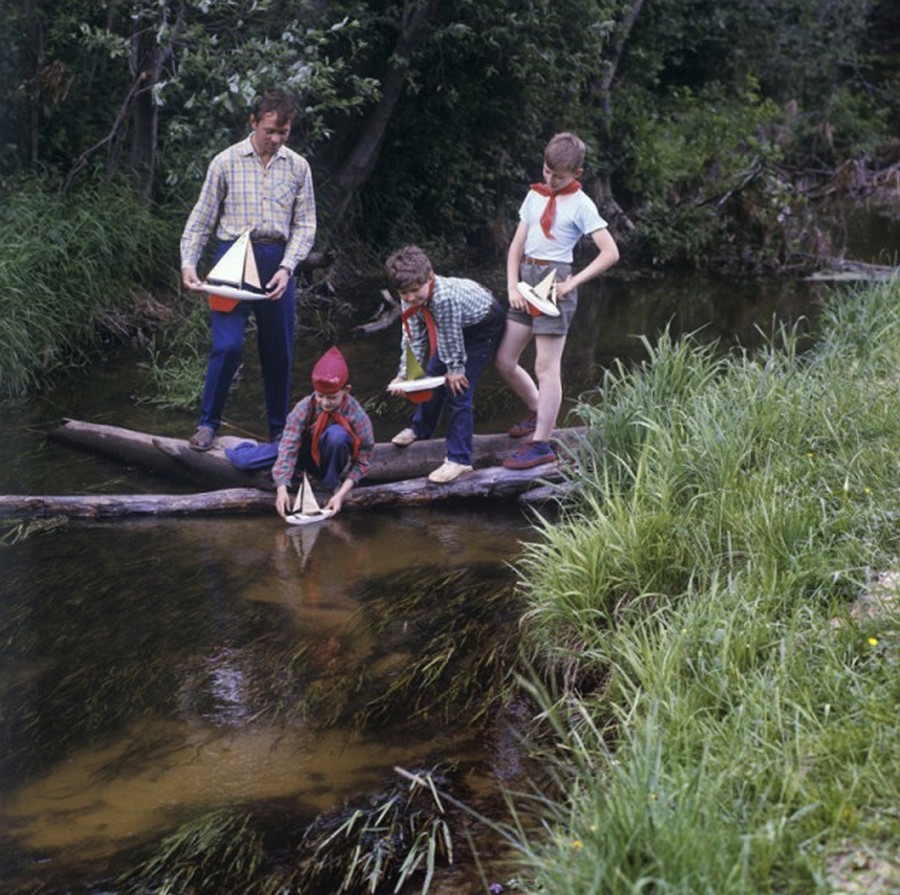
[716,622]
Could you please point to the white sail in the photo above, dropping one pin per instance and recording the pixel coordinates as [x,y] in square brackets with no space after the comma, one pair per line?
[546,289]
[306,503]
[542,296]
[251,274]
[231,266]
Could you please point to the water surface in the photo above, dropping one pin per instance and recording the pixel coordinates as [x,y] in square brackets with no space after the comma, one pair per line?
[146,670]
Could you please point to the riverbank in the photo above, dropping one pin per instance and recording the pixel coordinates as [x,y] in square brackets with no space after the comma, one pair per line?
[715,626]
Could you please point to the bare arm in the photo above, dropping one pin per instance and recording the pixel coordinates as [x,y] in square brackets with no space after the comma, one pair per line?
[608,255]
[513,262]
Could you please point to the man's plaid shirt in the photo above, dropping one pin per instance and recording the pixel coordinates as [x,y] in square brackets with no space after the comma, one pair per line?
[273,201]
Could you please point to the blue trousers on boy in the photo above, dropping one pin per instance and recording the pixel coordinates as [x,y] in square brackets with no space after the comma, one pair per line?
[335,447]
[275,342]
[481,341]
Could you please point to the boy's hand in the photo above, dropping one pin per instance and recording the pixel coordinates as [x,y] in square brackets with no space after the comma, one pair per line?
[282,501]
[516,302]
[456,382]
[564,287]
[393,386]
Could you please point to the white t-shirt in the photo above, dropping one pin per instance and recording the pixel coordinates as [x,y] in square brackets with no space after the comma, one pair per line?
[576,216]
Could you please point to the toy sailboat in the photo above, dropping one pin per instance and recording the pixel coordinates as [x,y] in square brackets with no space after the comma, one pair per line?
[306,509]
[417,386]
[541,298]
[235,274]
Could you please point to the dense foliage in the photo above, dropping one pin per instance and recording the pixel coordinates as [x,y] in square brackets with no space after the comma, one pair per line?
[711,128]
[424,120]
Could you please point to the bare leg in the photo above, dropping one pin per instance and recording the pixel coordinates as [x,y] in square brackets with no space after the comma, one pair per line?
[547,368]
[515,337]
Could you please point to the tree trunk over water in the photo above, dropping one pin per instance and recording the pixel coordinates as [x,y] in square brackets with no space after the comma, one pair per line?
[483,484]
[172,458]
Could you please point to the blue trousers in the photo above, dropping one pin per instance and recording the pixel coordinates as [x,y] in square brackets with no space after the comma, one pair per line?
[335,447]
[275,343]
[481,341]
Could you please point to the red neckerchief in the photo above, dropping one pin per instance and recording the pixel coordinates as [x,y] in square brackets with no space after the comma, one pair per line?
[549,212]
[429,321]
[323,420]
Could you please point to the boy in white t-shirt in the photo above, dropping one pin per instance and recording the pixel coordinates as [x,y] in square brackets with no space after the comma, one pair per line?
[553,217]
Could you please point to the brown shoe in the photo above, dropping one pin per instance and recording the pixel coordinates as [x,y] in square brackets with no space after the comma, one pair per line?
[523,427]
[202,439]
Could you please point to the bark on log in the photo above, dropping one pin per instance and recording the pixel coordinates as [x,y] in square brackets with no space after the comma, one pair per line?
[483,484]
[96,507]
[172,458]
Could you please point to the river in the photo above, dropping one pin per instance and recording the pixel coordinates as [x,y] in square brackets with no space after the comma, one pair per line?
[155,670]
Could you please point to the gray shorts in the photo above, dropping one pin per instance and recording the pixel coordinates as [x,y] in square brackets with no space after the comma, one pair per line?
[544,325]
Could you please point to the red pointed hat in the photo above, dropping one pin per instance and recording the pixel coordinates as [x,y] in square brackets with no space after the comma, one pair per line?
[330,374]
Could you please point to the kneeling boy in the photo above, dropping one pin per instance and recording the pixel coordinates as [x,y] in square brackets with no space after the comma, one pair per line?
[327,434]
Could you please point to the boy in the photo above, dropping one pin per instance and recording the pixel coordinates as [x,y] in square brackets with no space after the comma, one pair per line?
[453,326]
[327,433]
[262,186]
[553,217]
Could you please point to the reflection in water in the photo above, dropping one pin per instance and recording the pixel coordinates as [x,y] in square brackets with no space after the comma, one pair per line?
[158,669]
[154,670]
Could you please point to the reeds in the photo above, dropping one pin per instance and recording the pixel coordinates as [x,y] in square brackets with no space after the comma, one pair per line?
[727,722]
[65,262]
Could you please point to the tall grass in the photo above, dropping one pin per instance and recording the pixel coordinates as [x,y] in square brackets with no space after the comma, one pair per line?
[66,261]
[727,719]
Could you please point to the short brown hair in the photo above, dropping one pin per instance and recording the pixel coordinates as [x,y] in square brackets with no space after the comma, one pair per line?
[564,152]
[276,101]
[407,268]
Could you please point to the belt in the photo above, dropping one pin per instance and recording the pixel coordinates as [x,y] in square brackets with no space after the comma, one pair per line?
[268,240]
[537,261]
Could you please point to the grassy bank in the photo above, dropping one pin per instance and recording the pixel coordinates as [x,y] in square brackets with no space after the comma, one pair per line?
[715,626]
[67,263]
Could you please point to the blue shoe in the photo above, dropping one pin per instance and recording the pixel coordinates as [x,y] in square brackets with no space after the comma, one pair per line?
[533,454]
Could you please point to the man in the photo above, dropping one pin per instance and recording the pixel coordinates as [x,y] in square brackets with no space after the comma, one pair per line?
[262,186]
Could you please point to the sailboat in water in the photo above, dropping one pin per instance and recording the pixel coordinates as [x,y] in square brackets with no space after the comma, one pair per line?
[306,509]
[235,275]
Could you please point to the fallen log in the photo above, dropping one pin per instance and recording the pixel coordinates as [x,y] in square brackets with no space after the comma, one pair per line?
[844,270]
[95,507]
[387,313]
[172,458]
[482,484]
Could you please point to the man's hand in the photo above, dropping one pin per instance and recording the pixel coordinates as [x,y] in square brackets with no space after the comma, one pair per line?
[279,282]
[190,279]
